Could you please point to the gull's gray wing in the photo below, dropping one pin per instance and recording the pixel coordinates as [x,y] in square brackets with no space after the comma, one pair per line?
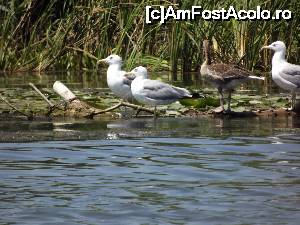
[291,73]
[158,90]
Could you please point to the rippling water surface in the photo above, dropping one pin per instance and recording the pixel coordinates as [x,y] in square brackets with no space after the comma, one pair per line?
[172,171]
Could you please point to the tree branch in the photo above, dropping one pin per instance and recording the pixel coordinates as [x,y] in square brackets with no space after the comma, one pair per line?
[133,106]
[41,94]
[29,117]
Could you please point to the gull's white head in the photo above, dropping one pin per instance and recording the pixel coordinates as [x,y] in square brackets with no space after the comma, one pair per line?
[139,71]
[111,60]
[277,46]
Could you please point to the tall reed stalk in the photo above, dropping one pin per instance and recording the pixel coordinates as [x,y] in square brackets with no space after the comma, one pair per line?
[59,35]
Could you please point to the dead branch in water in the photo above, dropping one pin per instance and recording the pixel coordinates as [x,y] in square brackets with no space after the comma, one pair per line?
[41,94]
[29,117]
[127,104]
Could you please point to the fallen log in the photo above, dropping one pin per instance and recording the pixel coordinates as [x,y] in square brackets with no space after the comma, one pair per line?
[63,91]
[76,108]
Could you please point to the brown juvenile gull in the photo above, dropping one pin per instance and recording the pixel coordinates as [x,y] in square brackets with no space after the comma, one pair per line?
[224,76]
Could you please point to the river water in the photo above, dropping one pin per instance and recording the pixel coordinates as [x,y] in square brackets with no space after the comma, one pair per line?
[138,171]
[141,171]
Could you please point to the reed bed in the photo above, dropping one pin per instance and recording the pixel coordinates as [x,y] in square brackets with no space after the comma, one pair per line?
[39,35]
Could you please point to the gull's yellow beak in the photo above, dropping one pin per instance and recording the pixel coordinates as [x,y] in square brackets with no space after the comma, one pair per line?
[264,47]
[101,61]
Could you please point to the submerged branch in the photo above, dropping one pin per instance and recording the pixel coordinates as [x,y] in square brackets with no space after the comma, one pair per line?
[127,104]
[138,107]
[29,117]
[105,110]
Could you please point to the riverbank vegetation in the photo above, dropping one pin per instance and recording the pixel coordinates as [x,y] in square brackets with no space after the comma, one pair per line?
[41,103]
[39,35]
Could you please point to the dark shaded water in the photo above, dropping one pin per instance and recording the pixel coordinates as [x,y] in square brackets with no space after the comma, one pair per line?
[172,171]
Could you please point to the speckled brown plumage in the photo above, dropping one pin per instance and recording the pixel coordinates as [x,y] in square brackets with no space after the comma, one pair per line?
[223,76]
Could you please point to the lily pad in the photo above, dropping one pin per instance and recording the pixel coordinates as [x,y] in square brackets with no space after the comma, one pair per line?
[172,113]
[200,102]
[240,109]
[175,106]
[255,102]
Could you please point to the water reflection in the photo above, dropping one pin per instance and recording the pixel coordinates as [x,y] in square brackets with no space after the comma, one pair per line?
[97,79]
[145,127]
[74,80]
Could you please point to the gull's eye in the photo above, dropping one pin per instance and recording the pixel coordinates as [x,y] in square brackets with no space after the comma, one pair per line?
[135,70]
[111,57]
[274,45]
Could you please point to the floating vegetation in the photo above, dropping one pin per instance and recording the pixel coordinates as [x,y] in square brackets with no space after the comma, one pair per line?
[201,103]
[93,102]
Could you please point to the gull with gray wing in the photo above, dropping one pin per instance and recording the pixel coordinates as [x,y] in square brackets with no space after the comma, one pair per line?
[154,92]
[284,74]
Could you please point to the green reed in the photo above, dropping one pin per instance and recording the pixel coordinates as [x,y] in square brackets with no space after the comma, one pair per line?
[38,35]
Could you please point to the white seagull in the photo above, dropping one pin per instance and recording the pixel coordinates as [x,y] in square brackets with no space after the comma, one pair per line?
[118,83]
[284,74]
[154,92]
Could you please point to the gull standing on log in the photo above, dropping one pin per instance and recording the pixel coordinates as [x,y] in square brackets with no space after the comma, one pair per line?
[284,74]
[154,92]
[223,76]
[118,83]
